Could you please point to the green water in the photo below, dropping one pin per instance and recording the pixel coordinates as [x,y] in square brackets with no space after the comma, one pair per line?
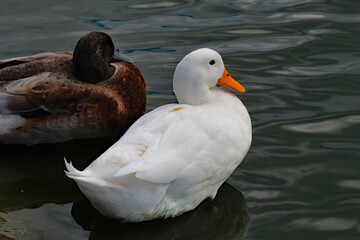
[298,60]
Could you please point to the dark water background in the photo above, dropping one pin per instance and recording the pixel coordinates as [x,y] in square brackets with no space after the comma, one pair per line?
[298,60]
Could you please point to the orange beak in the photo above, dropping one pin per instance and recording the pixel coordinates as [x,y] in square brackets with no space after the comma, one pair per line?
[227,81]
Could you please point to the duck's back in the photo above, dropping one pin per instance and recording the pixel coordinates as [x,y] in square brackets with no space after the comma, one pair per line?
[23,67]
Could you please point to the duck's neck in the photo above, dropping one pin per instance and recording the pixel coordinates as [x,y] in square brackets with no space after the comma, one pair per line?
[188,91]
[193,95]
[130,85]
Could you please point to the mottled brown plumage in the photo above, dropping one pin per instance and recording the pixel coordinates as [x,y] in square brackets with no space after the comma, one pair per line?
[52,97]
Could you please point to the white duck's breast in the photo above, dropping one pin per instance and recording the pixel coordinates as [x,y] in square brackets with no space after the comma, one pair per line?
[226,134]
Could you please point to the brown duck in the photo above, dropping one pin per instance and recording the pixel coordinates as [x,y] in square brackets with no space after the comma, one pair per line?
[53,97]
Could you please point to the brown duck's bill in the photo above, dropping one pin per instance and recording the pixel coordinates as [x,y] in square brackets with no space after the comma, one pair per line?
[227,81]
[118,56]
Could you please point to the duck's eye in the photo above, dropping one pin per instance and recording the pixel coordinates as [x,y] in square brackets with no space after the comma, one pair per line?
[212,62]
[117,50]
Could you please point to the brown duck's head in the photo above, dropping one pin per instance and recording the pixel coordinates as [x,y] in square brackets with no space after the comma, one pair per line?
[92,57]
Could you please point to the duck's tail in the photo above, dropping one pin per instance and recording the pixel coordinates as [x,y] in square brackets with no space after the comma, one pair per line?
[82,178]
[71,171]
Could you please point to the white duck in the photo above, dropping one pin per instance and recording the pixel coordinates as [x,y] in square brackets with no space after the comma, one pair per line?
[177,155]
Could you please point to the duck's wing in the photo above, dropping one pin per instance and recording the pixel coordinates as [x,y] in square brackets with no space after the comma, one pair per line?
[54,93]
[4,63]
[23,67]
[16,96]
[178,140]
[137,140]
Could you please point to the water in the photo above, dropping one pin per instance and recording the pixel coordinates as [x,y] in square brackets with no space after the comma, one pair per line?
[298,60]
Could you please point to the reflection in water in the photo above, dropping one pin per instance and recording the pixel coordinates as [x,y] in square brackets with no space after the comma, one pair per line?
[48,222]
[32,176]
[225,217]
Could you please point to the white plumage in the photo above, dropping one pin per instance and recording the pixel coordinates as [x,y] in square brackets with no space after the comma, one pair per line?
[174,157]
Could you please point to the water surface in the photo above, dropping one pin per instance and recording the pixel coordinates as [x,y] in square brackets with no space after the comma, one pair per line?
[298,60]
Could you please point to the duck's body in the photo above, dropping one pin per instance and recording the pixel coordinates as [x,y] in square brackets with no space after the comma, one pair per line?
[172,158]
[53,97]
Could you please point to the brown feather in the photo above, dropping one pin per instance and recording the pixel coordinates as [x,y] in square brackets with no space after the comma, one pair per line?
[76,109]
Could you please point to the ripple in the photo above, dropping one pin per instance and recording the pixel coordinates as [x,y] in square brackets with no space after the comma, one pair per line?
[269,5]
[341,145]
[354,184]
[247,31]
[265,194]
[262,44]
[307,16]
[275,176]
[341,18]
[164,4]
[327,126]
[324,224]
[343,66]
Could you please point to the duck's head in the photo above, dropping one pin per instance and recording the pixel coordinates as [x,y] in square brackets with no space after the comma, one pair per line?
[92,57]
[199,71]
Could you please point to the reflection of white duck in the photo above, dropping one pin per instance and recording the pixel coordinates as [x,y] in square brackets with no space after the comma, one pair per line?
[174,157]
